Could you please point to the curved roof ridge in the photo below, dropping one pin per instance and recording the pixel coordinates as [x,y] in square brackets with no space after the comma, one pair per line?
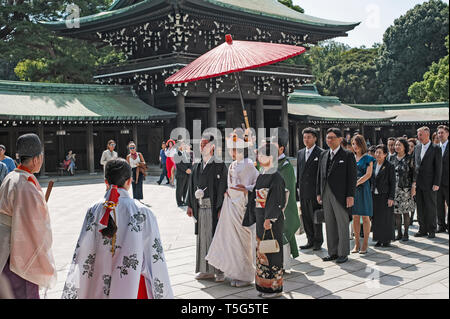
[264,8]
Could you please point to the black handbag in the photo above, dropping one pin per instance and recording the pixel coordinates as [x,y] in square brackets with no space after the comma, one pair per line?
[319,216]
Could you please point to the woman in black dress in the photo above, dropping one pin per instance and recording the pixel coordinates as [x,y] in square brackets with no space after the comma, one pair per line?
[265,208]
[383,192]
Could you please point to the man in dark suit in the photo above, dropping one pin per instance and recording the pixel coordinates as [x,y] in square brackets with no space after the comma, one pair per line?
[184,169]
[442,194]
[428,174]
[307,166]
[336,186]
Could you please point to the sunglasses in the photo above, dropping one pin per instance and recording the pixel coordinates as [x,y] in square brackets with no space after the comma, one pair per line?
[132,148]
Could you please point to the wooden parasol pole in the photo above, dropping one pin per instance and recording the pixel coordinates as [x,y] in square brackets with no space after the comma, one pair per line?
[247,125]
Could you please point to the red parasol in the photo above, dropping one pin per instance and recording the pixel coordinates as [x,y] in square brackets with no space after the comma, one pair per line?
[234,56]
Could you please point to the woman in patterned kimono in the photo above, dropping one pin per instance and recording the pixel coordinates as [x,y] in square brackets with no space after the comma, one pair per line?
[119,253]
[232,246]
[404,177]
[265,208]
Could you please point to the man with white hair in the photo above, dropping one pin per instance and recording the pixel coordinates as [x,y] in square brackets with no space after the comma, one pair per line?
[428,173]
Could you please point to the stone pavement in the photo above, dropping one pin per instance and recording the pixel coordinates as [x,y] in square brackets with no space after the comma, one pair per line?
[418,268]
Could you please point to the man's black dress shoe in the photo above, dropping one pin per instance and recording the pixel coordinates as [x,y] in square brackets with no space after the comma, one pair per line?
[419,234]
[378,244]
[386,245]
[431,235]
[307,246]
[330,258]
[341,260]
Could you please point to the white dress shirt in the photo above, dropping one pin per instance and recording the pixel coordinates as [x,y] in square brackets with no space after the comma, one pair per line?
[377,170]
[443,146]
[308,152]
[333,152]
[424,149]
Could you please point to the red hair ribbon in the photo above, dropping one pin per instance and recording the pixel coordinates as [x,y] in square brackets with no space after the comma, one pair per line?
[109,204]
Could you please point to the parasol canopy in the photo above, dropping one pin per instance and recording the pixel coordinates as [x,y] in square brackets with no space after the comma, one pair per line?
[234,56]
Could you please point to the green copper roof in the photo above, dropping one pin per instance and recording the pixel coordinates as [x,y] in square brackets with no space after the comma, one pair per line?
[272,8]
[118,4]
[383,107]
[309,104]
[313,106]
[51,101]
[123,9]
[417,112]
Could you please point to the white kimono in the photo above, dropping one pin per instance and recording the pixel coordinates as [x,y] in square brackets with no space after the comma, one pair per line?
[233,247]
[96,274]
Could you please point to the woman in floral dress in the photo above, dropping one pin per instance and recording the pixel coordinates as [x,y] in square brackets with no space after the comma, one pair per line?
[404,176]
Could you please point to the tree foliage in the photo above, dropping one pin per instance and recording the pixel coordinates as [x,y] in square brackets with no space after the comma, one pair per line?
[410,46]
[435,84]
[40,54]
[353,78]
[290,4]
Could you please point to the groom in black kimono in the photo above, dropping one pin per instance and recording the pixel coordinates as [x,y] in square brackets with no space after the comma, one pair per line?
[207,186]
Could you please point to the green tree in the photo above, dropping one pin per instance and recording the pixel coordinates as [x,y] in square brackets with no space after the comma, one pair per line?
[435,84]
[353,78]
[41,54]
[290,4]
[410,46]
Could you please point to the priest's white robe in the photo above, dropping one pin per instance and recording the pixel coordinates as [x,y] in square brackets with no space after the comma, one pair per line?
[96,274]
[233,247]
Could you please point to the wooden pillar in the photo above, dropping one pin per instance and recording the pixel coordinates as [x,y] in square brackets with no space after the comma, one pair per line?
[321,144]
[90,148]
[285,118]
[181,110]
[296,137]
[135,134]
[259,112]
[41,137]
[212,110]
[374,136]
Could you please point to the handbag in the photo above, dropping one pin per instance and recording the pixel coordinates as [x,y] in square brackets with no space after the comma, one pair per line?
[269,246]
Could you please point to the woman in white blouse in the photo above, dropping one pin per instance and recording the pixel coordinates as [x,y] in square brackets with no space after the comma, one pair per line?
[137,163]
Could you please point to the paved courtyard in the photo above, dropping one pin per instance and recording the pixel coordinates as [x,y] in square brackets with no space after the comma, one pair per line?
[416,269]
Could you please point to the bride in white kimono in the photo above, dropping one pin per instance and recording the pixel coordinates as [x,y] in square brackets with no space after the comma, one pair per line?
[233,247]
[119,253]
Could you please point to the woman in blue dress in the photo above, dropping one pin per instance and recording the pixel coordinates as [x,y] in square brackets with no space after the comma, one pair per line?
[363,198]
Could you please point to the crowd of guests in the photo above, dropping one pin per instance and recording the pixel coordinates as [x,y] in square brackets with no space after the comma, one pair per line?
[246,214]
[352,187]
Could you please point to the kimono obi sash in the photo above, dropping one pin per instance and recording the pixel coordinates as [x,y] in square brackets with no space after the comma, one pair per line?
[261,197]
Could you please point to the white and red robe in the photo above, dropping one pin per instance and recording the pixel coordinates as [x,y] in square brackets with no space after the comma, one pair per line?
[138,267]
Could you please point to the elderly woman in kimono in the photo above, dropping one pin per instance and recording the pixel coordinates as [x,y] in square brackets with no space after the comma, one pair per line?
[119,253]
[25,233]
[232,246]
[265,208]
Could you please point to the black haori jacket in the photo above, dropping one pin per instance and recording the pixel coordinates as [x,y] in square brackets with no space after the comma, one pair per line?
[215,175]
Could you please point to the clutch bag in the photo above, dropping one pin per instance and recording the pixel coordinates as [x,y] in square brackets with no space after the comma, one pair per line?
[269,246]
